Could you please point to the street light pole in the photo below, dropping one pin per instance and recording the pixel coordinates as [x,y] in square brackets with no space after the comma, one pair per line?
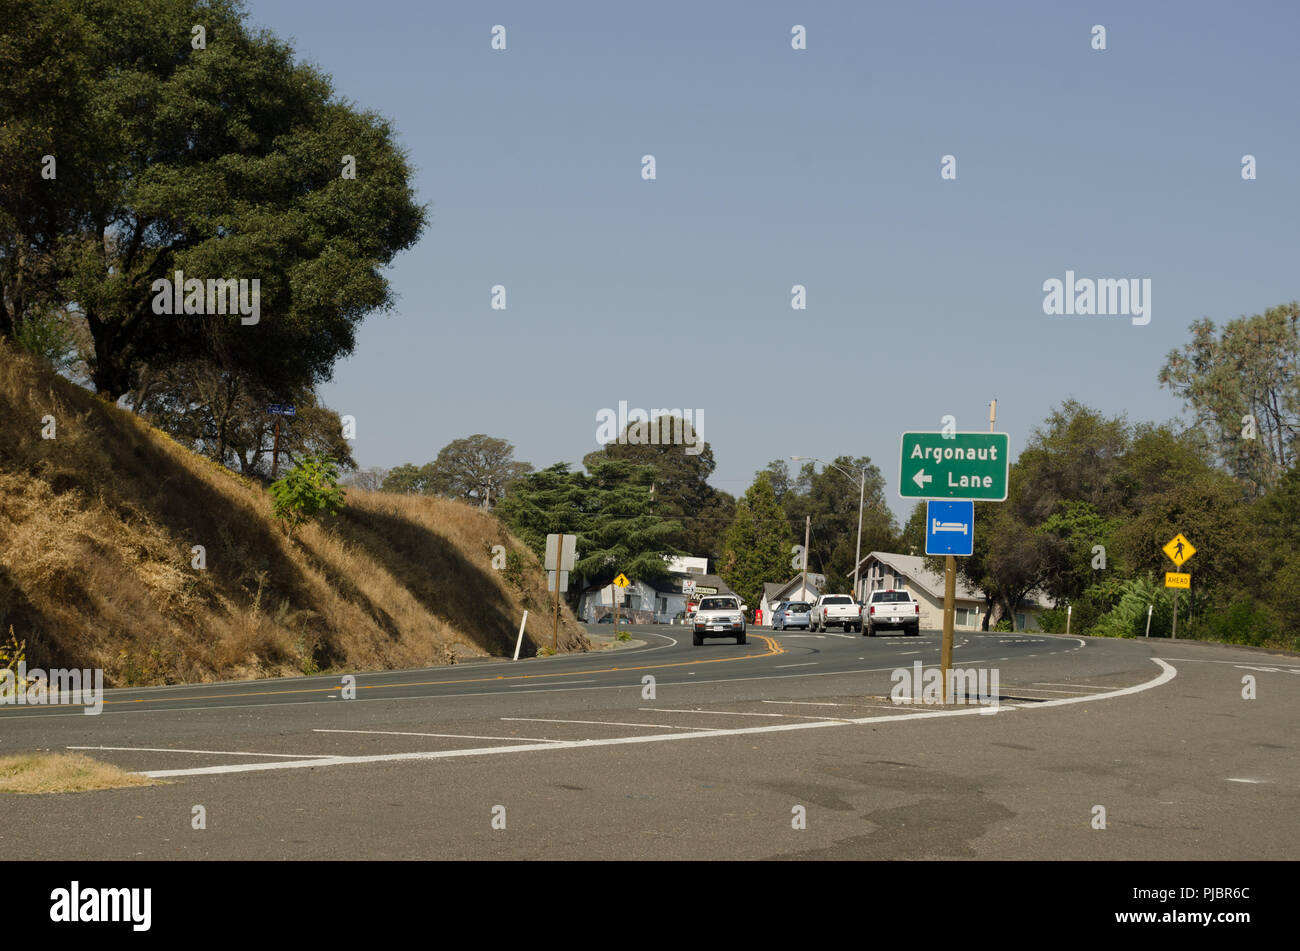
[862,495]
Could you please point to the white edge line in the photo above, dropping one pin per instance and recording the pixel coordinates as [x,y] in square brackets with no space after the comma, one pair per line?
[1167,674]
[164,749]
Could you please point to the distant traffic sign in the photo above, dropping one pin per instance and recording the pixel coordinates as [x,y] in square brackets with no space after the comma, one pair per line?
[1179,550]
[958,466]
[1175,580]
[621,580]
[281,409]
[949,528]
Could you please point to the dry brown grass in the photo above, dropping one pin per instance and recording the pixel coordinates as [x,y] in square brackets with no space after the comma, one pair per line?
[96,529]
[62,772]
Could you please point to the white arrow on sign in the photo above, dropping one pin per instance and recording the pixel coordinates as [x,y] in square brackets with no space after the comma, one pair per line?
[921,479]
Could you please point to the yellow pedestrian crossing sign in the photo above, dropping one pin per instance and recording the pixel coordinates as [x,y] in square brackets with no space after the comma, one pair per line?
[621,580]
[1179,550]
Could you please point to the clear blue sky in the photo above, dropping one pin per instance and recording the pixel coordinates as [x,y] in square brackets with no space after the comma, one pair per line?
[818,167]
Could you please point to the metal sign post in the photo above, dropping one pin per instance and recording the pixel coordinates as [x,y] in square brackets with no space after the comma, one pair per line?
[1178,549]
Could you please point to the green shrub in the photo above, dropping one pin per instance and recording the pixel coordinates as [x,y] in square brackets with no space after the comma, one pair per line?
[312,488]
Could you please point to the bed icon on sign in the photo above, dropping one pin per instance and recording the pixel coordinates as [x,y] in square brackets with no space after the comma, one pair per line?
[949,527]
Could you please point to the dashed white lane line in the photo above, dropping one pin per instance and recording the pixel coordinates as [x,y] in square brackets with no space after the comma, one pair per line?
[811,663]
[1233,779]
[736,713]
[458,736]
[1041,683]
[558,683]
[808,703]
[163,749]
[655,726]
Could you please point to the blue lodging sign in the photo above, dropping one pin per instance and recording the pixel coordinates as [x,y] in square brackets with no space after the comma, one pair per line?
[949,527]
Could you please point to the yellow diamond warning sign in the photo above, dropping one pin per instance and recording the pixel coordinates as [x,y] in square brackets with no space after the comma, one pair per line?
[1179,550]
[621,580]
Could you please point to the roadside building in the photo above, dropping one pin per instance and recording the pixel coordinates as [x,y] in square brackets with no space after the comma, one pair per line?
[882,569]
[793,590]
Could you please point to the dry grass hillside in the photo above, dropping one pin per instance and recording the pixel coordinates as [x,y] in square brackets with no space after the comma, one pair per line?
[96,532]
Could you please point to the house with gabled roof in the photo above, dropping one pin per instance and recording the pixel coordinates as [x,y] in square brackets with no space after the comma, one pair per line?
[882,569]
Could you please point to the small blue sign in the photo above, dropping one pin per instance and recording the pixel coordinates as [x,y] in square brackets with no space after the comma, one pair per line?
[949,528]
[281,409]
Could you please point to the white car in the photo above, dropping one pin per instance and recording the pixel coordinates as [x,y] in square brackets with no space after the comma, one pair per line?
[719,615]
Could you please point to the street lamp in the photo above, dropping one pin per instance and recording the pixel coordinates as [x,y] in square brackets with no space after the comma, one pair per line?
[862,494]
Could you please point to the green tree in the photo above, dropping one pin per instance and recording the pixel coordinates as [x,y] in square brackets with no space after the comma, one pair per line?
[311,488]
[611,511]
[757,547]
[474,468]
[1242,387]
[912,539]
[224,163]
[681,489]
[222,414]
[830,498]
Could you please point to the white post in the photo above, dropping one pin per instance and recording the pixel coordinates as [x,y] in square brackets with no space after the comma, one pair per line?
[1149,607]
[520,642]
[1069,609]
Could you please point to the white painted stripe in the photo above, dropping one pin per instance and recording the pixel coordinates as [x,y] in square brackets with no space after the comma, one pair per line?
[656,726]
[1168,673]
[164,749]
[811,663]
[808,703]
[734,713]
[1253,781]
[558,683]
[460,736]
[1040,683]
[1266,663]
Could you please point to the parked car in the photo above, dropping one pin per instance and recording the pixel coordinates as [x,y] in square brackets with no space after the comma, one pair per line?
[836,610]
[790,614]
[609,619]
[891,608]
[719,616]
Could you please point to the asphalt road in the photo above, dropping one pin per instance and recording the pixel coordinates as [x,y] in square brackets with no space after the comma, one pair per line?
[718,758]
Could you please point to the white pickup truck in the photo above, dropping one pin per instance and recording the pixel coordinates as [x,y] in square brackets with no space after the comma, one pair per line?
[719,615]
[835,610]
[891,608]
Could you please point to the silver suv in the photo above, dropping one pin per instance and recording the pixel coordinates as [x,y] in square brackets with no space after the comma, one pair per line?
[720,615]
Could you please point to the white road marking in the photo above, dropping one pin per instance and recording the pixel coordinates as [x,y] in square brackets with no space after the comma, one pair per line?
[733,713]
[655,726]
[558,683]
[1168,673]
[1042,683]
[1253,781]
[811,663]
[163,749]
[459,736]
[809,703]
[1201,660]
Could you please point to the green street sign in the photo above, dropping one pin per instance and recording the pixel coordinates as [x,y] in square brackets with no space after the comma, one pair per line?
[960,466]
